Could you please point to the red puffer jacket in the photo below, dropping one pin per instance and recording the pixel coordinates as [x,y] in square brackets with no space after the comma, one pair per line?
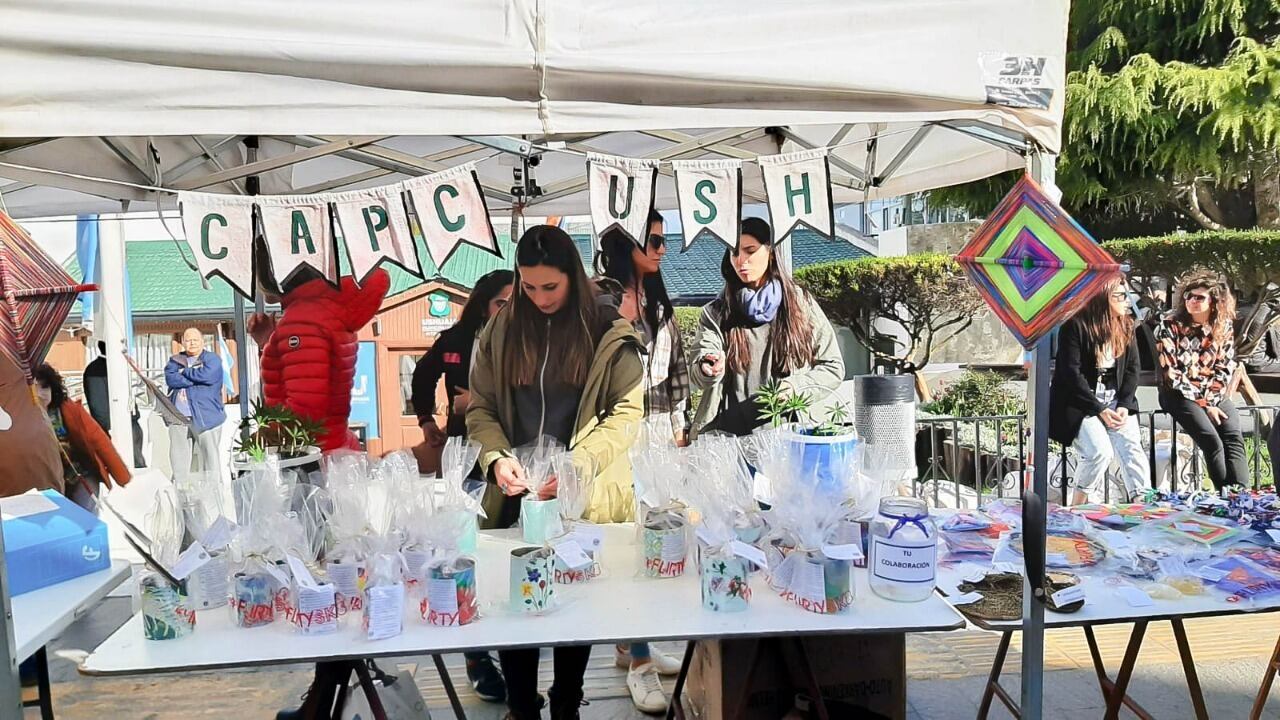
[309,363]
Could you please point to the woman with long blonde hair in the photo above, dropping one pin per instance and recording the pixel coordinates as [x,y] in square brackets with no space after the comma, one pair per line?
[1093,397]
[1196,346]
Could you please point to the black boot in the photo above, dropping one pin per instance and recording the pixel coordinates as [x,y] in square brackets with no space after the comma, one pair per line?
[565,706]
[485,678]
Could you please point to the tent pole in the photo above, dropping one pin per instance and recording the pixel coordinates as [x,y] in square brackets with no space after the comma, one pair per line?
[114,330]
[1035,497]
[238,320]
[10,688]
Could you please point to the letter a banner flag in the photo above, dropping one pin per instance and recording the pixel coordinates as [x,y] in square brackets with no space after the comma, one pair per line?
[710,197]
[1033,264]
[375,228]
[299,236]
[799,193]
[621,194]
[219,232]
[451,211]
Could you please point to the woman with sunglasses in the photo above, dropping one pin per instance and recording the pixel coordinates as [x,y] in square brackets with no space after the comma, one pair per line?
[1197,361]
[762,328]
[1093,404]
[644,302]
[450,357]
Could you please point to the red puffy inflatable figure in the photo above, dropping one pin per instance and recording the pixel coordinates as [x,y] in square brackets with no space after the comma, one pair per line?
[309,362]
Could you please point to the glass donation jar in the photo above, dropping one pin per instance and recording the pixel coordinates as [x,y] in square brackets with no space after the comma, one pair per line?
[904,550]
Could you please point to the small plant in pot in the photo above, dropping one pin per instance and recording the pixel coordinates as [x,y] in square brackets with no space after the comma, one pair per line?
[279,430]
[826,448]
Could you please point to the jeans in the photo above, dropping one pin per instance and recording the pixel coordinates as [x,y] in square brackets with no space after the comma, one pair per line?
[1222,445]
[520,669]
[1098,445]
[185,443]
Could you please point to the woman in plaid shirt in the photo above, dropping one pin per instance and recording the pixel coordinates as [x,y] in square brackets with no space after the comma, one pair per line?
[1197,361]
[643,300]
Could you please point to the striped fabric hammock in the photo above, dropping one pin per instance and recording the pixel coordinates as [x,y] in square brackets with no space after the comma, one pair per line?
[37,296]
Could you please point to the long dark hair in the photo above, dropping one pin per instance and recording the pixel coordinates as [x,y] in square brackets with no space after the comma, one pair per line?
[615,262]
[476,312]
[1223,304]
[790,333]
[47,376]
[527,331]
[1102,327]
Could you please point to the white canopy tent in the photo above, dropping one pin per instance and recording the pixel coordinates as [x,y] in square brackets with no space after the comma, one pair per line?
[104,103]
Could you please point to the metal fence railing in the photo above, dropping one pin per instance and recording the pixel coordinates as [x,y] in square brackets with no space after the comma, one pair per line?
[966,461]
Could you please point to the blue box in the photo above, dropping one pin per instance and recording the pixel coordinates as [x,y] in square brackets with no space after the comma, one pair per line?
[55,546]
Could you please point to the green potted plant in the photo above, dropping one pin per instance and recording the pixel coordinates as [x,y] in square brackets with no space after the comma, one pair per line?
[823,446]
[279,430]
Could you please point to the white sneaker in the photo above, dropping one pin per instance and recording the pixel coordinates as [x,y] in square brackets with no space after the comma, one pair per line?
[646,689]
[667,665]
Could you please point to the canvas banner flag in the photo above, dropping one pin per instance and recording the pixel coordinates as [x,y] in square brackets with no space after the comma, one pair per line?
[621,194]
[451,211]
[375,228]
[219,232]
[299,236]
[799,192]
[710,196]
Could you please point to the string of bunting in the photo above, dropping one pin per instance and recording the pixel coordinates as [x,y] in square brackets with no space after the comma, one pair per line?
[376,224]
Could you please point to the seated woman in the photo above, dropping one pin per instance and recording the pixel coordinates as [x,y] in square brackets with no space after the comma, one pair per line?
[1196,346]
[762,328]
[1093,404]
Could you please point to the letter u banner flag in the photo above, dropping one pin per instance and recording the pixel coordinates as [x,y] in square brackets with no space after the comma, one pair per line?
[299,236]
[451,211]
[621,194]
[799,192]
[710,197]
[219,232]
[375,228]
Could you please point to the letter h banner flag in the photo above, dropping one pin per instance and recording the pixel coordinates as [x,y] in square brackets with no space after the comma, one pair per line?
[1033,264]
[799,193]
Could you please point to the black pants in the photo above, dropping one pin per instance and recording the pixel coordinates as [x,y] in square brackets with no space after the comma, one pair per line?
[520,669]
[1222,445]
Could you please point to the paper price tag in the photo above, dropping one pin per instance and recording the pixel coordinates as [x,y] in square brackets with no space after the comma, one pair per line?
[1055,559]
[966,599]
[301,573]
[385,610]
[219,533]
[590,535]
[1134,596]
[1187,527]
[673,547]
[190,560]
[442,595]
[1211,574]
[809,582]
[317,611]
[1274,535]
[749,552]
[572,554]
[842,552]
[1075,593]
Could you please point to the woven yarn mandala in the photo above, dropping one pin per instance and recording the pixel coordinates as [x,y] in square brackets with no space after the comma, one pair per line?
[1033,264]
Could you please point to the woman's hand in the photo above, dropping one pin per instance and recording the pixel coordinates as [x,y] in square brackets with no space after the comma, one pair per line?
[1216,416]
[432,433]
[712,365]
[1110,419]
[509,475]
[549,488]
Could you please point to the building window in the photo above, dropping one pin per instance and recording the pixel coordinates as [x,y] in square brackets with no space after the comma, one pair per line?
[408,362]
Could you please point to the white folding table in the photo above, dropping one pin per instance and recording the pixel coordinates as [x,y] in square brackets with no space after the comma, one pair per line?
[619,606]
[41,615]
[1104,606]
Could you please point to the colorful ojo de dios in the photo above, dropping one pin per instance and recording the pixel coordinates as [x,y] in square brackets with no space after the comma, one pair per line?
[1033,264]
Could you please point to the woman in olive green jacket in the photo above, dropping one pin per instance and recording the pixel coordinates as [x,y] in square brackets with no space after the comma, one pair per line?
[555,362]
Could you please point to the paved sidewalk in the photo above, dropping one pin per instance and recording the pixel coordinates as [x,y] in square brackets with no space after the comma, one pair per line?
[946,672]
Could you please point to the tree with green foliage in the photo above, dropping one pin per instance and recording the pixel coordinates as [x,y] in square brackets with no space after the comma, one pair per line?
[928,296]
[1172,118]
